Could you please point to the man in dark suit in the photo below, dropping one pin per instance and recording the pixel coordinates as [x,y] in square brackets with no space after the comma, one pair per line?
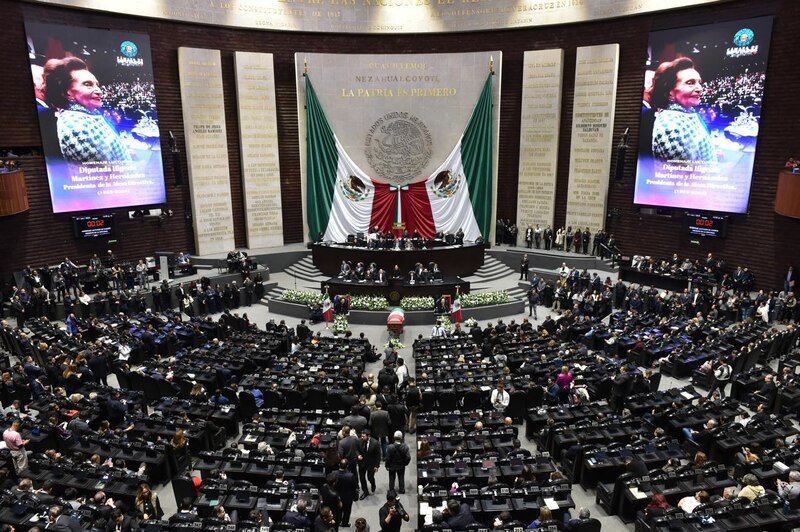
[116,409]
[459,516]
[636,466]
[117,522]
[98,363]
[61,522]
[302,331]
[584,516]
[789,280]
[369,460]
[185,514]
[298,517]
[347,486]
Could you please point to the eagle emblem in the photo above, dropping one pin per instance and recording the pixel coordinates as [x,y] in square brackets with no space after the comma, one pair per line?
[353,188]
[445,184]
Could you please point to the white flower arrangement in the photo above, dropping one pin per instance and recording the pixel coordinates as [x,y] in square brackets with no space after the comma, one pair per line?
[368,303]
[484,299]
[340,324]
[394,343]
[417,303]
[305,298]
[445,321]
[470,323]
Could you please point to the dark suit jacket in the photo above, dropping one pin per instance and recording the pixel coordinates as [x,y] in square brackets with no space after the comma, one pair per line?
[347,486]
[67,523]
[372,457]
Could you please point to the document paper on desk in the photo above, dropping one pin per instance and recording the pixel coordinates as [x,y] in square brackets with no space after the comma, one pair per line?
[637,493]
[551,503]
[687,395]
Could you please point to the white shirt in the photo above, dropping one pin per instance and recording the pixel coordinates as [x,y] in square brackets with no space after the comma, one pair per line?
[500,399]
[402,374]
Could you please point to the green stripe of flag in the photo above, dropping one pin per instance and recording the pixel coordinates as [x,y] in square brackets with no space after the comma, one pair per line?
[321,164]
[476,155]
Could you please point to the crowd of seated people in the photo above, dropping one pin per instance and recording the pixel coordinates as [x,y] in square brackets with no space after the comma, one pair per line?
[371,273]
[712,270]
[214,372]
[103,282]
[575,361]
[575,380]
[239,261]
[377,239]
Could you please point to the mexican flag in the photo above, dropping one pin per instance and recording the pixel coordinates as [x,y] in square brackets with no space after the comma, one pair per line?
[459,192]
[339,193]
[343,200]
[455,310]
[327,308]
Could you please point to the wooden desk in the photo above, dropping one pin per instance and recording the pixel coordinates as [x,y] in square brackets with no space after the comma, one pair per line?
[13,193]
[787,195]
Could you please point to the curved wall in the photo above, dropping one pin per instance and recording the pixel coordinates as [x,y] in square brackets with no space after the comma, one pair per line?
[763,240]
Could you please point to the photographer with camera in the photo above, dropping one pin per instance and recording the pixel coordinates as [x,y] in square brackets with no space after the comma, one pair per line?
[392,514]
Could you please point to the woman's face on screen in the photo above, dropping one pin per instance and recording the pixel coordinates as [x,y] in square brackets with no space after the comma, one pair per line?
[688,88]
[85,90]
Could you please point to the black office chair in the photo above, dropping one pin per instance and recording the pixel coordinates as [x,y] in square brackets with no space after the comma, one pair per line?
[316,398]
[428,402]
[183,487]
[247,405]
[534,397]
[273,399]
[586,525]
[165,389]
[655,382]
[517,405]
[473,400]
[447,401]
[546,525]
[609,495]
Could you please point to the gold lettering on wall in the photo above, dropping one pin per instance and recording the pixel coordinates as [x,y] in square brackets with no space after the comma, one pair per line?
[383,16]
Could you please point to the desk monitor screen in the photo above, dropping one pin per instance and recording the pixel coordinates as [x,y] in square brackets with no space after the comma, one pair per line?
[600,456]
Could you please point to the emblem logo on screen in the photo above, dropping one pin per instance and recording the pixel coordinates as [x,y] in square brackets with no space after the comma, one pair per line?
[398,146]
[743,37]
[128,49]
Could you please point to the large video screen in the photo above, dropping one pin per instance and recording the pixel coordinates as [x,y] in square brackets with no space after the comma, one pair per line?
[97,113]
[701,110]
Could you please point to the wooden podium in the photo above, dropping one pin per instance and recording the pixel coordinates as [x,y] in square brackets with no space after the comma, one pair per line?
[13,194]
[787,196]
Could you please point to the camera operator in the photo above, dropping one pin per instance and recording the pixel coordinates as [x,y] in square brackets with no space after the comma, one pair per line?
[392,514]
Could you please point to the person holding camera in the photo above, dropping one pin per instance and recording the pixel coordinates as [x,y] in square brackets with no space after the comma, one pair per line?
[392,514]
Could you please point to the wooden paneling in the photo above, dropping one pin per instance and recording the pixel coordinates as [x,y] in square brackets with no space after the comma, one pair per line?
[764,241]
